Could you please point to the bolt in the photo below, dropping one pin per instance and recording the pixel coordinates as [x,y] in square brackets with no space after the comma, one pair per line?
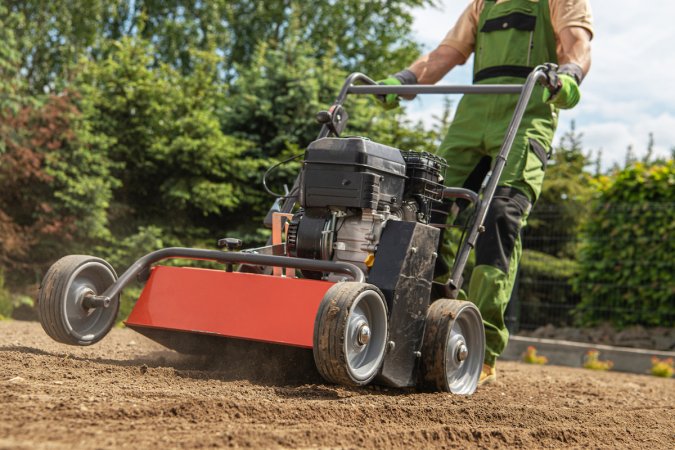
[462,352]
[391,345]
[418,354]
[363,334]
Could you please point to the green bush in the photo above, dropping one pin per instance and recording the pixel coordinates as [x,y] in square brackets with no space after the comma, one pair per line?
[542,265]
[626,259]
[127,302]
[544,289]
[6,300]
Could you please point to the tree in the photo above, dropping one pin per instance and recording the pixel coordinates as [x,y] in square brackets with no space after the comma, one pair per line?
[147,121]
[370,36]
[166,146]
[11,83]
[54,185]
[54,180]
[51,36]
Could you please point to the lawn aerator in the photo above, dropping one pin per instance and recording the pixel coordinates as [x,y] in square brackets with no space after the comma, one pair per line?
[362,244]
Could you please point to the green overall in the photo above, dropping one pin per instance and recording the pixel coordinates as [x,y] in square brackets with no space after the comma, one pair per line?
[513,37]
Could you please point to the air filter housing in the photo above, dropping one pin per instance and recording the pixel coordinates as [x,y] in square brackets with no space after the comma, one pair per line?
[352,173]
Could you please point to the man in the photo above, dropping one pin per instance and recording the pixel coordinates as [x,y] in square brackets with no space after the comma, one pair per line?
[508,38]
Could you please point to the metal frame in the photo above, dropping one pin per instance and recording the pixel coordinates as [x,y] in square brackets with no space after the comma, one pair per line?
[143,265]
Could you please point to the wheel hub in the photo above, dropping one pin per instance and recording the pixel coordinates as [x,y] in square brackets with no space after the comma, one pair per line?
[363,335]
[462,352]
[82,295]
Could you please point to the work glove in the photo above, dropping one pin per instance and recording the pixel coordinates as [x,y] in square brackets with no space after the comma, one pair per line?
[390,101]
[566,95]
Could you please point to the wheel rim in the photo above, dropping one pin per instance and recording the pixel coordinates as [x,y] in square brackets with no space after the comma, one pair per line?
[464,351]
[85,324]
[365,335]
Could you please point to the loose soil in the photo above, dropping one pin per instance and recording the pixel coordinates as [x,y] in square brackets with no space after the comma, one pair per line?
[128,392]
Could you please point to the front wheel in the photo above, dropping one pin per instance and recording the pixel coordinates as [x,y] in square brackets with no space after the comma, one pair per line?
[61,307]
[453,348]
[350,333]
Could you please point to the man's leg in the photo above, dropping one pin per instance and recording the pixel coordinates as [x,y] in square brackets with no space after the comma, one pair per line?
[498,252]
[498,249]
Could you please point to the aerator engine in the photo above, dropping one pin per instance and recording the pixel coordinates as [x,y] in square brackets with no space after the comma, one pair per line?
[350,189]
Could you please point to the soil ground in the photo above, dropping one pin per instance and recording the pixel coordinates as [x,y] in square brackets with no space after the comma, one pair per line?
[128,392]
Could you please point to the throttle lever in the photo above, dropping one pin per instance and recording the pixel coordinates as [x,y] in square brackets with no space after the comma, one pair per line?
[335,119]
[326,118]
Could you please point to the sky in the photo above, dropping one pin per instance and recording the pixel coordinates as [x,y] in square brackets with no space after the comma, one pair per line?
[629,91]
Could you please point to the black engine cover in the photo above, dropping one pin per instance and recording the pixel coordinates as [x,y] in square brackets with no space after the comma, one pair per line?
[353,173]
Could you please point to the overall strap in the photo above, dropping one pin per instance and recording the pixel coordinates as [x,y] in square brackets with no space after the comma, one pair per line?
[513,37]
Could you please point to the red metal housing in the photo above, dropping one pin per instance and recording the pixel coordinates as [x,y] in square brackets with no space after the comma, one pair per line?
[230,304]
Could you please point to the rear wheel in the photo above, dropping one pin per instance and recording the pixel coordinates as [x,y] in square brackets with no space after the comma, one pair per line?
[350,333]
[61,300]
[453,348]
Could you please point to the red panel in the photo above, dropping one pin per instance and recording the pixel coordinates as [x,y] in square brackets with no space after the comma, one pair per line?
[242,305]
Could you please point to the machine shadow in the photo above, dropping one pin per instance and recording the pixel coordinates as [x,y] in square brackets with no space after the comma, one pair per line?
[289,370]
[237,359]
[234,362]
[162,358]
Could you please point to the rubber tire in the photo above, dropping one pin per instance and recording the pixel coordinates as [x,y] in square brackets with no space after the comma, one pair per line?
[433,367]
[52,298]
[330,324]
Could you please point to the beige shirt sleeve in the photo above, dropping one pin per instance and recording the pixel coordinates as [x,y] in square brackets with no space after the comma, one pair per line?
[564,13]
[571,13]
[462,36]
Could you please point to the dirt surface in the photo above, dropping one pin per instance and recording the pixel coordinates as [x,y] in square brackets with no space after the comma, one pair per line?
[128,392]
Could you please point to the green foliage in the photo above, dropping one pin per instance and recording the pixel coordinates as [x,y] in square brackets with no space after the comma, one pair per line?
[11,83]
[592,361]
[127,302]
[550,239]
[370,36]
[366,36]
[544,286]
[122,254]
[541,265]
[162,116]
[662,367]
[564,199]
[165,142]
[6,299]
[80,176]
[53,185]
[274,100]
[626,261]
[52,35]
